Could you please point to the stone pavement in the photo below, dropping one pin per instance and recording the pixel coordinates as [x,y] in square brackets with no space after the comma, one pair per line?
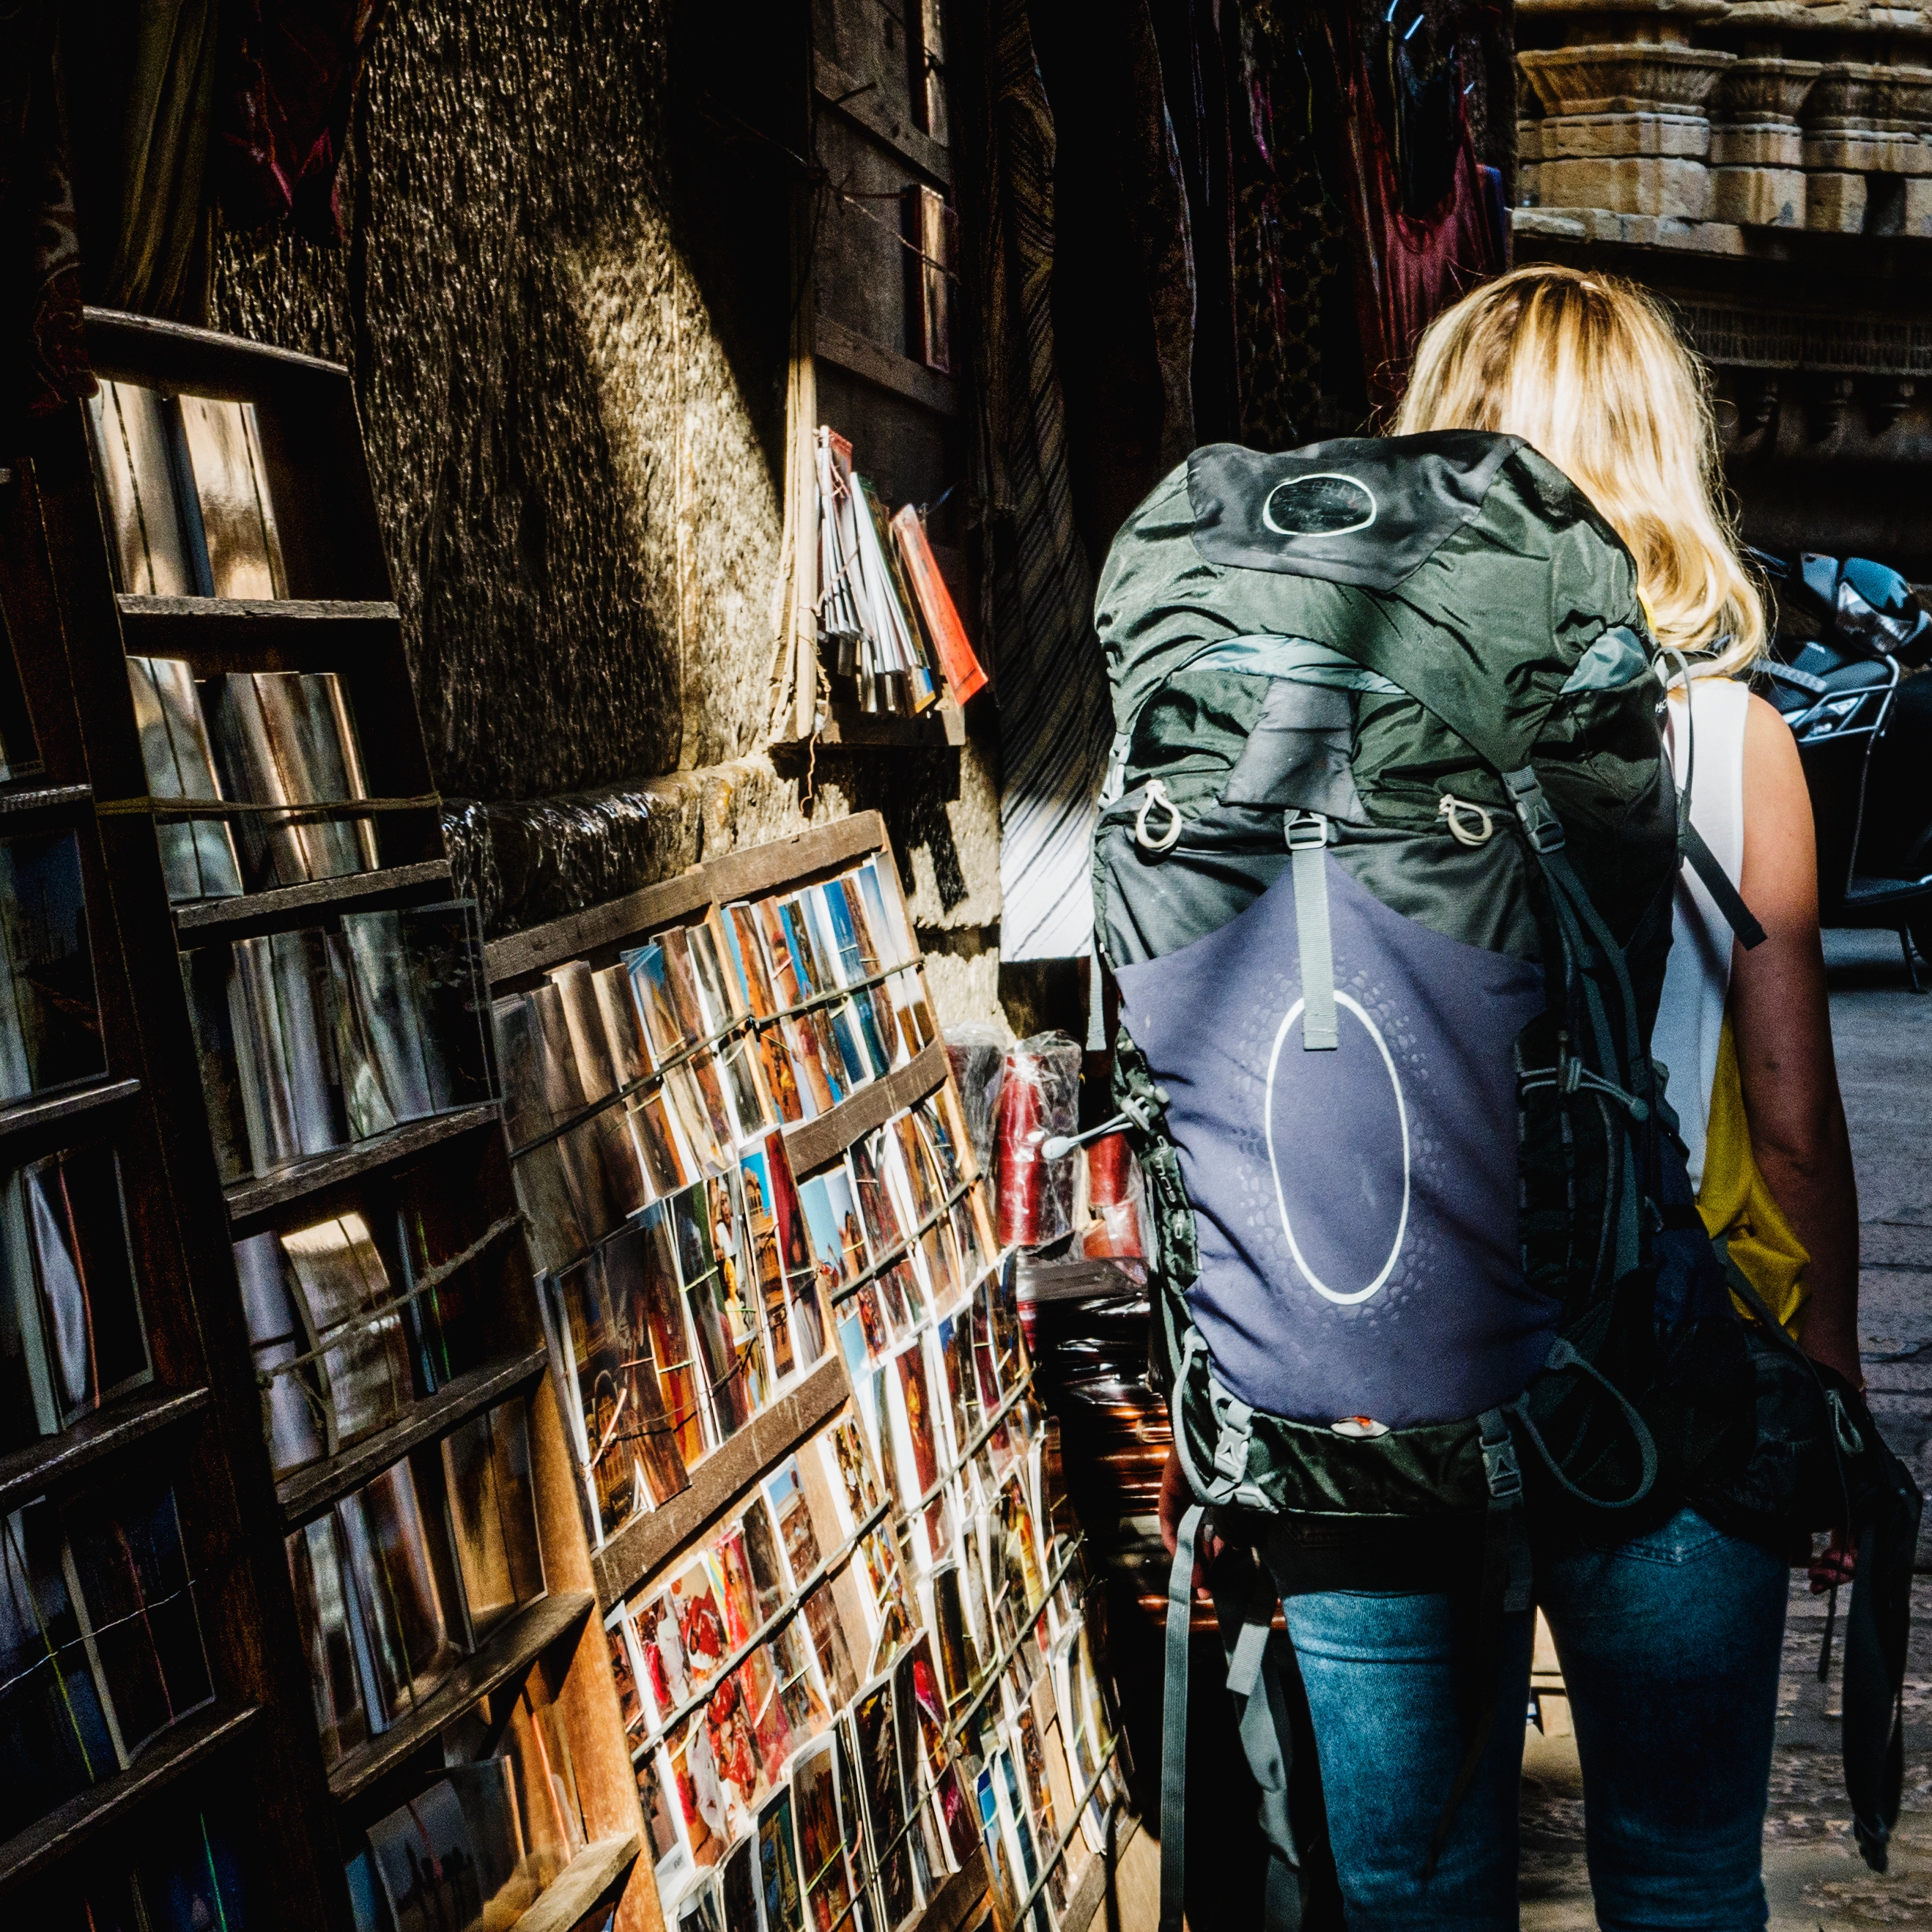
[1815,1878]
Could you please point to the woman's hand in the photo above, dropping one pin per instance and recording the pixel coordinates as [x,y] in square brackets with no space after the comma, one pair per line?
[1833,1565]
[1176,1498]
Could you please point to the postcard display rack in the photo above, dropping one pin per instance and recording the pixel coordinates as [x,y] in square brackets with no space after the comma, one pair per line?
[842,1595]
[394,1591]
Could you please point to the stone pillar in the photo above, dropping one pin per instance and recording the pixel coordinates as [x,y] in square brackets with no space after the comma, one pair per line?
[1624,128]
[1757,176]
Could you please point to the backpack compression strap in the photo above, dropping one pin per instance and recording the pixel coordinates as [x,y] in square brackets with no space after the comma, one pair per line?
[1174,1723]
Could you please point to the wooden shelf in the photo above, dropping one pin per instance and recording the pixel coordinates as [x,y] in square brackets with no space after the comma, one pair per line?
[938,725]
[247,1199]
[46,798]
[52,1110]
[506,1653]
[107,1805]
[716,1484]
[862,101]
[138,612]
[203,921]
[307,1492]
[858,355]
[580,1884]
[953,1904]
[813,1143]
[59,1459]
[597,932]
[1088,1895]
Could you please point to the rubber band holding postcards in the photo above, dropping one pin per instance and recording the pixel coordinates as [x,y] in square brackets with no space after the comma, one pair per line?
[171,808]
[370,1321]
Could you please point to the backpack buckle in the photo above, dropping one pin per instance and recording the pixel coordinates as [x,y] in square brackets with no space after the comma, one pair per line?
[1237,1421]
[1540,821]
[1306,831]
[1499,1463]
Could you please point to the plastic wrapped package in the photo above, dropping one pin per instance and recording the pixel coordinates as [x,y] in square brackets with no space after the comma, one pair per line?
[1117,1198]
[1039,1098]
[977,1053]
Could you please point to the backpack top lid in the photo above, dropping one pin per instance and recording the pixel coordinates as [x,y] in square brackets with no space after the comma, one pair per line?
[1460,565]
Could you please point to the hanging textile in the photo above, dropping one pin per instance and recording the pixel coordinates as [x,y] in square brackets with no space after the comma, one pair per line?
[1288,237]
[1408,268]
[1055,725]
[138,106]
[42,357]
[289,70]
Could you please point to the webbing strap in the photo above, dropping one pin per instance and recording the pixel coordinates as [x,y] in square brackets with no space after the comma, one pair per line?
[1174,1724]
[1873,1732]
[1244,1606]
[1563,1356]
[1307,843]
[1729,901]
[1505,1588]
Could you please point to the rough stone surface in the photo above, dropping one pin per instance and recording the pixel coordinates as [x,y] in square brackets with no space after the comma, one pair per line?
[568,358]
[1758,197]
[1835,203]
[1918,219]
[1764,146]
[1639,185]
[1636,231]
[1589,136]
[1876,153]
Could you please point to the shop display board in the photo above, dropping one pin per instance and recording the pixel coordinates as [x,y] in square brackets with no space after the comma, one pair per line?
[842,1600]
[371,1689]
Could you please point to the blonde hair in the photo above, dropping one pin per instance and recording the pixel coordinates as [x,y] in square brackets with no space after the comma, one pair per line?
[1590,371]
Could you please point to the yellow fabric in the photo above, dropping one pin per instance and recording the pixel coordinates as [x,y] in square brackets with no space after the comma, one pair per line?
[1735,1203]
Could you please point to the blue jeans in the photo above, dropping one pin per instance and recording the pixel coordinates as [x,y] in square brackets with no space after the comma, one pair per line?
[1670,1645]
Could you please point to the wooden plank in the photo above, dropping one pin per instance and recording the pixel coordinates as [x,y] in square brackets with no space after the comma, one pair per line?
[748,874]
[899,374]
[953,1904]
[308,1491]
[40,1466]
[235,612]
[246,1198]
[718,1482]
[209,920]
[1092,1888]
[46,798]
[113,336]
[941,724]
[863,102]
[507,1653]
[108,1804]
[580,1884]
[811,1143]
[55,1110]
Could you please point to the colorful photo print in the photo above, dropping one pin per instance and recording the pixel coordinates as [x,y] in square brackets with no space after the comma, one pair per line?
[778,1867]
[701,1635]
[785,1493]
[723,1740]
[702,1808]
[827,1631]
[800,1692]
[739,1599]
[747,959]
[863,1161]
[758,1681]
[821,1844]
[738,1884]
[876,1736]
[770,1583]
[666,1682]
[650,987]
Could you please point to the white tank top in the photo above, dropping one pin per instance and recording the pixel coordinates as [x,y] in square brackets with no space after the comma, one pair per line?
[1690,1020]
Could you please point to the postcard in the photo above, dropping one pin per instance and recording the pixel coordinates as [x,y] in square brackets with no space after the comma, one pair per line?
[797,1538]
[778,1867]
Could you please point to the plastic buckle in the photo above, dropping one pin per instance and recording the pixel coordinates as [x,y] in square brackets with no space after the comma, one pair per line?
[1540,821]
[1307,831]
[1500,1467]
[1230,1449]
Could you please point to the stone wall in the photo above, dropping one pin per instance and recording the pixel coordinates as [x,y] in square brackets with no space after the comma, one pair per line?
[562,296]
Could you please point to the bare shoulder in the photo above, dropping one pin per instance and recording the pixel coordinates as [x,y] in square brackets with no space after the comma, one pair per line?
[1771,752]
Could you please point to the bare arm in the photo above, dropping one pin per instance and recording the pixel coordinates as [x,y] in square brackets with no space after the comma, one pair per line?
[1783,1027]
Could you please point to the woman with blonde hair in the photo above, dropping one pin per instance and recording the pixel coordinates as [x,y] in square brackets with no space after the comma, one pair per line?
[1670,1638]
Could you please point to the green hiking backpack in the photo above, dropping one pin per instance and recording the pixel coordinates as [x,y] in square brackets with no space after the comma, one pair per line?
[1383,874]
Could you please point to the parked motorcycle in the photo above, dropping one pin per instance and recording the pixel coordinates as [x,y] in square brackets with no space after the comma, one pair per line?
[1847,634]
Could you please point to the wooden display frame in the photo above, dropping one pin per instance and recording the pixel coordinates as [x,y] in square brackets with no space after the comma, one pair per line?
[652,1546]
[301,1820]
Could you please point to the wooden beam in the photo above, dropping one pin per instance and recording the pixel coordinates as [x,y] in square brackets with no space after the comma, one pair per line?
[833,343]
[864,102]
